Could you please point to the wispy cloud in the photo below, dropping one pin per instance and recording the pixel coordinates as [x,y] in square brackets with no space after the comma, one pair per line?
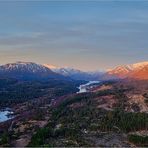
[63,32]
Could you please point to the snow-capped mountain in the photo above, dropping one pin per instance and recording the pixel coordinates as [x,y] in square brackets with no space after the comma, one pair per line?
[27,70]
[75,73]
[50,66]
[23,66]
[31,71]
[68,71]
[138,71]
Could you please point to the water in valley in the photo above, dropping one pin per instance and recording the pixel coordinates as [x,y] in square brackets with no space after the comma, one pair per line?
[84,87]
[5,115]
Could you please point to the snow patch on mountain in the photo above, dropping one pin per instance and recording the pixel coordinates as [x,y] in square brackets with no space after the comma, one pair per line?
[50,66]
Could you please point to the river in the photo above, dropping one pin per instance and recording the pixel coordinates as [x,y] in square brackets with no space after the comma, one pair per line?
[84,87]
[5,115]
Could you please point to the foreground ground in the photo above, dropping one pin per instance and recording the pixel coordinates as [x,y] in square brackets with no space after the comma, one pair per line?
[112,114]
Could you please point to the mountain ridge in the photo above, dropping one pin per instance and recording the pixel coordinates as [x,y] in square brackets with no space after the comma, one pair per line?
[135,71]
[32,70]
[75,74]
[28,71]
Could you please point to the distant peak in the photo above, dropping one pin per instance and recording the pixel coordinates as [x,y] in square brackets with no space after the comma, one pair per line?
[130,66]
[22,62]
[50,66]
[140,64]
[137,70]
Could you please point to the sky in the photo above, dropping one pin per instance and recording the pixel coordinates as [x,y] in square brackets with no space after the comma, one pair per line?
[85,35]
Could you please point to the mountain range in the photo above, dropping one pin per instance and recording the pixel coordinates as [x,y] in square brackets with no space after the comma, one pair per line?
[75,73]
[135,71]
[28,71]
[33,71]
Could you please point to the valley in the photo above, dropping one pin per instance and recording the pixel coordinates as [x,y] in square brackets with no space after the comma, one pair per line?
[72,113]
[97,118]
[30,113]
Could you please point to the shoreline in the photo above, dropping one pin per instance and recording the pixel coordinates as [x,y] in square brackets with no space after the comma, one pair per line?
[85,87]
